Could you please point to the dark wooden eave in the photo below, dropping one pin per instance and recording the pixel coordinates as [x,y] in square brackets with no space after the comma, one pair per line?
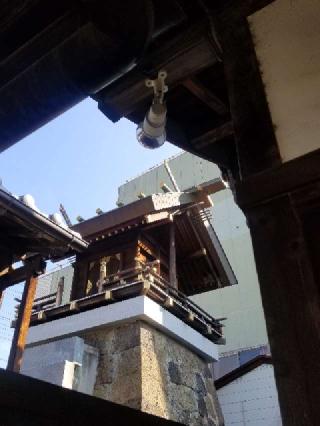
[24,231]
[138,211]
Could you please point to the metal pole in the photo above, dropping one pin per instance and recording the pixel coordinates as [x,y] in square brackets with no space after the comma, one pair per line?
[174,183]
[172,260]
[60,290]
[22,324]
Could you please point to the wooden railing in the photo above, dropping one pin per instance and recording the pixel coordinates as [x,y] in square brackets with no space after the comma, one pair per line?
[129,283]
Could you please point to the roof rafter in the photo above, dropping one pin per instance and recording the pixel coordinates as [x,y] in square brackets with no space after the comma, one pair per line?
[205,95]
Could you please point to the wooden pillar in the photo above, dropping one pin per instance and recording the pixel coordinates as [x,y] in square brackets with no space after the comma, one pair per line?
[283,217]
[289,289]
[172,256]
[103,273]
[22,324]
[291,304]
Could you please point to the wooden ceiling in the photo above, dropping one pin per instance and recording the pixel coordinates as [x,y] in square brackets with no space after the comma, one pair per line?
[54,54]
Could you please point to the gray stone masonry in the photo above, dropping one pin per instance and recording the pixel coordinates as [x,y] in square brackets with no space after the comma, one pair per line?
[142,368]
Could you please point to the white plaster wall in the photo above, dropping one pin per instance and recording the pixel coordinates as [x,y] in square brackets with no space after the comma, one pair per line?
[287,41]
[252,399]
[48,283]
[138,308]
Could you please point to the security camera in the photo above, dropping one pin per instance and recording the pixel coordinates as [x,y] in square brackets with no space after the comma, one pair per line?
[151,133]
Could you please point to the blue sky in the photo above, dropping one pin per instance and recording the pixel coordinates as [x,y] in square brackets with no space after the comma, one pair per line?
[79,159]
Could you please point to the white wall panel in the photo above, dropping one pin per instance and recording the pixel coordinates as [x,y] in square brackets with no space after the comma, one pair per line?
[287,42]
[252,399]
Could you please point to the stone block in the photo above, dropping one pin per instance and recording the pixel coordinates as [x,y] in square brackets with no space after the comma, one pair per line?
[155,373]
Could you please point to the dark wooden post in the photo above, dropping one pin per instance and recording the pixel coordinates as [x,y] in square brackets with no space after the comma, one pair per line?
[283,217]
[289,290]
[172,260]
[22,324]
[290,299]
[34,267]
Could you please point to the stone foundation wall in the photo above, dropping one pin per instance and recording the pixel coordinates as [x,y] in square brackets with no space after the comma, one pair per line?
[142,368]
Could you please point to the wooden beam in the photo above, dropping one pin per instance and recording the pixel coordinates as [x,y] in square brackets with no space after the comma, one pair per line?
[181,56]
[172,256]
[214,135]
[288,177]
[205,95]
[22,324]
[231,11]
[257,147]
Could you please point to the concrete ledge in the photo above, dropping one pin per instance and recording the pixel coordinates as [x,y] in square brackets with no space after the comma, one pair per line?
[138,308]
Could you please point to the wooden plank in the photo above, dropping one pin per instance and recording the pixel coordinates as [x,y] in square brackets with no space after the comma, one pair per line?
[288,177]
[22,324]
[205,95]
[214,135]
[290,297]
[257,147]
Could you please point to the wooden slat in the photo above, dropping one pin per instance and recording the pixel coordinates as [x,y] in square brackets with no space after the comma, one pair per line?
[22,325]
[205,95]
